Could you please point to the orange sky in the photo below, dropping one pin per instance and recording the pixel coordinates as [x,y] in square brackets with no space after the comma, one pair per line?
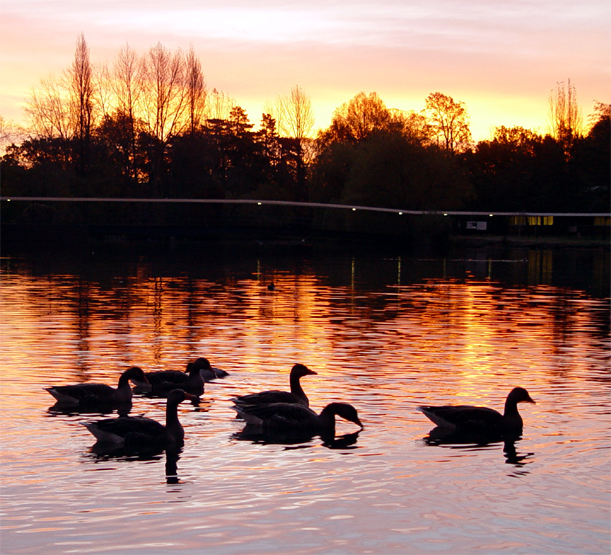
[501,58]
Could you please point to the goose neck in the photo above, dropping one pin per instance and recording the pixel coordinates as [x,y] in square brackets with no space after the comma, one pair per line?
[296,388]
[172,423]
[511,407]
[326,420]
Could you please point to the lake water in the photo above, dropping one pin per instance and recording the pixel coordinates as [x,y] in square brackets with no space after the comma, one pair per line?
[386,331]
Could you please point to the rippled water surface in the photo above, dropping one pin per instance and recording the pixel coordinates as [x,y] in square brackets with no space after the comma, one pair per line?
[386,333]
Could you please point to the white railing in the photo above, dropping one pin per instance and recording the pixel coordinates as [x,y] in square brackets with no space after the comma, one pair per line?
[352,207]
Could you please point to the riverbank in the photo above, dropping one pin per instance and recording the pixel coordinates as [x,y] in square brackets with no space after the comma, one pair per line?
[16,236]
[542,242]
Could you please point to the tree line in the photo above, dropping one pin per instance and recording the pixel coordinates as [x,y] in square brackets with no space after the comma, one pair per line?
[148,126]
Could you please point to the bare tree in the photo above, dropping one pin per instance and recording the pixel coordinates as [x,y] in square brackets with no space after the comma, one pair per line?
[104,99]
[601,111]
[128,75]
[195,86]
[81,86]
[10,133]
[295,117]
[218,105]
[49,111]
[164,98]
[566,123]
[449,122]
[127,80]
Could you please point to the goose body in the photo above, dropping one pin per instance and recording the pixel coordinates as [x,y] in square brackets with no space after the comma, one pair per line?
[191,381]
[85,395]
[297,418]
[466,419]
[138,433]
[295,395]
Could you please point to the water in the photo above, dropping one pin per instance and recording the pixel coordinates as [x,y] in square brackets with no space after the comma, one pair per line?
[385,333]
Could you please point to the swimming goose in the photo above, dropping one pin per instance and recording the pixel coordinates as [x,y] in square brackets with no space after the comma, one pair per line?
[138,433]
[207,371]
[464,419]
[85,395]
[191,381]
[296,395]
[294,417]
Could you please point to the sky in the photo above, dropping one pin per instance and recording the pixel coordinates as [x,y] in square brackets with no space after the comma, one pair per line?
[501,58]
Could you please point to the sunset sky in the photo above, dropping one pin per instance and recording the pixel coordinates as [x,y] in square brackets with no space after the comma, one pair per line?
[502,58]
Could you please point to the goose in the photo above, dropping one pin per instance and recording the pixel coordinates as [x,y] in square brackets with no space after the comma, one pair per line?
[207,371]
[469,420]
[191,381]
[138,433]
[85,395]
[296,395]
[297,418]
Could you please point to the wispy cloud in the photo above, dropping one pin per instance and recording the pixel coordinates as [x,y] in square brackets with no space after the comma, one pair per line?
[496,53]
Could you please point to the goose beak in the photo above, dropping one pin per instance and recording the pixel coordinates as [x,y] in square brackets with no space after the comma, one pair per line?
[311,372]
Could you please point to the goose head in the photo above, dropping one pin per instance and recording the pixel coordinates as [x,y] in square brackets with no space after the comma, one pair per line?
[200,364]
[177,396]
[345,411]
[519,395]
[301,370]
[137,377]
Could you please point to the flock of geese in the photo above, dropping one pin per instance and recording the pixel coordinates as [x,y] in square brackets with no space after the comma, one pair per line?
[283,412]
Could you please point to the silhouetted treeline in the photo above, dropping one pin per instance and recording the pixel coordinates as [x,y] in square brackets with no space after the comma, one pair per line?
[389,165]
[162,139]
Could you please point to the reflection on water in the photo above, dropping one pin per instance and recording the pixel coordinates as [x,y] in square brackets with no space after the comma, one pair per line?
[255,435]
[385,333]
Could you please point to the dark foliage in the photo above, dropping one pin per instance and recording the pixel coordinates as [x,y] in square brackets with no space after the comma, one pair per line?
[384,164]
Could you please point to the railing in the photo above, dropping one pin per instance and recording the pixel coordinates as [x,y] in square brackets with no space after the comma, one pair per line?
[354,208]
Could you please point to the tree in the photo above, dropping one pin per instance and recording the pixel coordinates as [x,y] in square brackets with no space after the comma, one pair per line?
[218,105]
[164,96]
[128,88]
[10,133]
[388,169]
[600,115]
[195,86]
[127,81]
[164,104]
[357,119]
[81,86]
[239,122]
[268,137]
[413,126]
[503,169]
[449,122]
[294,115]
[589,161]
[48,110]
[564,115]
[295,120]
[104,99]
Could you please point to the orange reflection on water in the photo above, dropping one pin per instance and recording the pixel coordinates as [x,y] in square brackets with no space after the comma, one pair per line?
[475,333]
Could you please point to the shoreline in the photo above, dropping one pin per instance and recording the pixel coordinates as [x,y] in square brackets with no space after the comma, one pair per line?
[16,236]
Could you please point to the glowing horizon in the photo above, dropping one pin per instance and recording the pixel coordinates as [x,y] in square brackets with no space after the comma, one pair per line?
[502,59]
